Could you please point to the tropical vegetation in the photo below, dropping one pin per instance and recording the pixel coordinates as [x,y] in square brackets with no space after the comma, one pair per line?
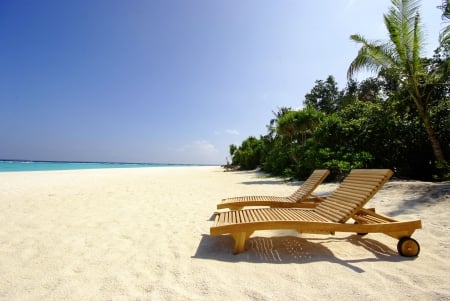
[398,119]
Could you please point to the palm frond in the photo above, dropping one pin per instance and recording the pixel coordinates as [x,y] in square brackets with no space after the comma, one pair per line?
[402,51]
[416,46]
[372,56]
[444,35]
[402,23]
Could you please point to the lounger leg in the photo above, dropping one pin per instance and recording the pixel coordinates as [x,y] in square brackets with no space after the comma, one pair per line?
[240,238]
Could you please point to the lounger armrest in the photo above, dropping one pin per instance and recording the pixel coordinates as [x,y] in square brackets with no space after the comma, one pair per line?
[368,215]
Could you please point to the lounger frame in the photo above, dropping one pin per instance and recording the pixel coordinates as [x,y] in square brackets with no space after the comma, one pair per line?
[342,211]
[301,198]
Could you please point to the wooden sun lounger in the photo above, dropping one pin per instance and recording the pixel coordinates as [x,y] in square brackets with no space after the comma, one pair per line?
[301,198]
[330,215]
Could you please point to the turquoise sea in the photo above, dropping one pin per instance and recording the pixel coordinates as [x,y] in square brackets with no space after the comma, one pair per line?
[13,165]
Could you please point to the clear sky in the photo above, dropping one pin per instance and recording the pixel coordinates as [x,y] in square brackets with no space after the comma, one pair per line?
[168,81]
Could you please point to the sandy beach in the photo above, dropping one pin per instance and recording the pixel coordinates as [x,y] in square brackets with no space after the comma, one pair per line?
[143,234]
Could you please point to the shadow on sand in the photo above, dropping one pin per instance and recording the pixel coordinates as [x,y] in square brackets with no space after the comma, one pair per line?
[291,249]
[418,195]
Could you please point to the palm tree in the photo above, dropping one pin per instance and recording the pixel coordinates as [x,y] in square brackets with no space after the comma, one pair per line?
[401,53]
[444,36]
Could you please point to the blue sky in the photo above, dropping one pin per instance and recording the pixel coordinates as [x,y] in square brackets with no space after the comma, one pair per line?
[168,81]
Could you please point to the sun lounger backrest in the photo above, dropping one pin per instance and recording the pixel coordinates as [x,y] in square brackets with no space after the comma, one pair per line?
[314,180]
[353,193]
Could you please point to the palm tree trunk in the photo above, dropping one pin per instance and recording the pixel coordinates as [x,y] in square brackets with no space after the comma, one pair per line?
[437,150]
[434,141]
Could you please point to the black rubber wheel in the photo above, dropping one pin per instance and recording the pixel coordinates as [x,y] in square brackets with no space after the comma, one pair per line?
[408,247]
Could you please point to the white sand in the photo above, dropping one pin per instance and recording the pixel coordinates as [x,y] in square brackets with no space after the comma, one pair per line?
[142,234]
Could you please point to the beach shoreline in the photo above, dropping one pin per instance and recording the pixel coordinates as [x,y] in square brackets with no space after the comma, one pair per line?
[142,234]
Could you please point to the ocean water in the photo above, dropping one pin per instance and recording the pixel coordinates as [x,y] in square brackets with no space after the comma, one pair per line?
[7,165]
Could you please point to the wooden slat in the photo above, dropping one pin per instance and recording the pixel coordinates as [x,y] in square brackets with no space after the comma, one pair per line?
[353,193]
[293,215]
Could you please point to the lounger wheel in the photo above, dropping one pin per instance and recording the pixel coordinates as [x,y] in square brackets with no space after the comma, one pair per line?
[408,247]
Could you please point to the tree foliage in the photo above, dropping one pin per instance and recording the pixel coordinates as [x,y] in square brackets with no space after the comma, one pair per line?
[381,122]
[324,95]
[401,53]
[248,155]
